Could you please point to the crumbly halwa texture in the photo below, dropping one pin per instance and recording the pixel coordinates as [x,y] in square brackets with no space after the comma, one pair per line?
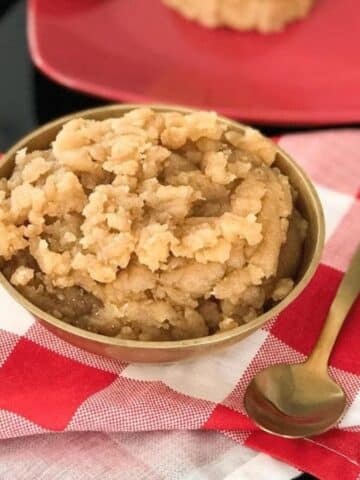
[152,226]
[262,15]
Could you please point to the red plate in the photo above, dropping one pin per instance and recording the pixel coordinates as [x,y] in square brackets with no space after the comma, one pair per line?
[138,50]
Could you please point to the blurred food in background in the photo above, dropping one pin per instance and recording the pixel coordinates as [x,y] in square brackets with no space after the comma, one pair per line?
[262,15]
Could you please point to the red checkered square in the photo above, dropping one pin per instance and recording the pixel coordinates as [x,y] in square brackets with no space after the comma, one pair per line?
[341,246]
[131,405]
[226,418]
[45,387]
[300,324]
[345,442]
[330,158]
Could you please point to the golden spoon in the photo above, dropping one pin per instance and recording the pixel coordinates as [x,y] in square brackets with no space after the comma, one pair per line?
[302,400]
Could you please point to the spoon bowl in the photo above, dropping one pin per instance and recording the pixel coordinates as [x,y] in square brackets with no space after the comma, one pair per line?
[301,400]
[294,400]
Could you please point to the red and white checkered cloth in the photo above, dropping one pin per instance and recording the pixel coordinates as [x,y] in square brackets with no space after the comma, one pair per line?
[48,386]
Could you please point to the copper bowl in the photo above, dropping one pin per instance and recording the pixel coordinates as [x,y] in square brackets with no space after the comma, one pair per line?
[150,352]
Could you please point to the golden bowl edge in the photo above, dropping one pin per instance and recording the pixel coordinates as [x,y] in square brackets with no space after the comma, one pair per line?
[169,351]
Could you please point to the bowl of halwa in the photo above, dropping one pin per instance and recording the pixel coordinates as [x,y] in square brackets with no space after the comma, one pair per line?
[155,233]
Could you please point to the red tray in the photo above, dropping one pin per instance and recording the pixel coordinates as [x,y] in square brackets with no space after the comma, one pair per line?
[138,50]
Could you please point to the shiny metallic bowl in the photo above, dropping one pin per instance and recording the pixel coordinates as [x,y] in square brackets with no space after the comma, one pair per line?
[139,351]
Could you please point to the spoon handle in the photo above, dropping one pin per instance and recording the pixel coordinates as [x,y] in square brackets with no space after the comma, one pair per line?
[346,295]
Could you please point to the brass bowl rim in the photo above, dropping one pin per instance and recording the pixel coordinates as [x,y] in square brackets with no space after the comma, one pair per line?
[214,339]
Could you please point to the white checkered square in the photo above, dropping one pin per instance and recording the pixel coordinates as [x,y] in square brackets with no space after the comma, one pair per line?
[14,318]
[335,205]
[341,246]
[210,377]
[40,335]
[7,345]
[352,416]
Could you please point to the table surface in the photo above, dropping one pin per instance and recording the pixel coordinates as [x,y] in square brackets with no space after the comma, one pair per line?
[30,99]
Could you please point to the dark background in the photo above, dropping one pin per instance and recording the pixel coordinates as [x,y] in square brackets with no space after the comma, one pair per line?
[29,99]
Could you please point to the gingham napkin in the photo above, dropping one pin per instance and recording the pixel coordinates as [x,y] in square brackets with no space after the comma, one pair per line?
[48,386]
